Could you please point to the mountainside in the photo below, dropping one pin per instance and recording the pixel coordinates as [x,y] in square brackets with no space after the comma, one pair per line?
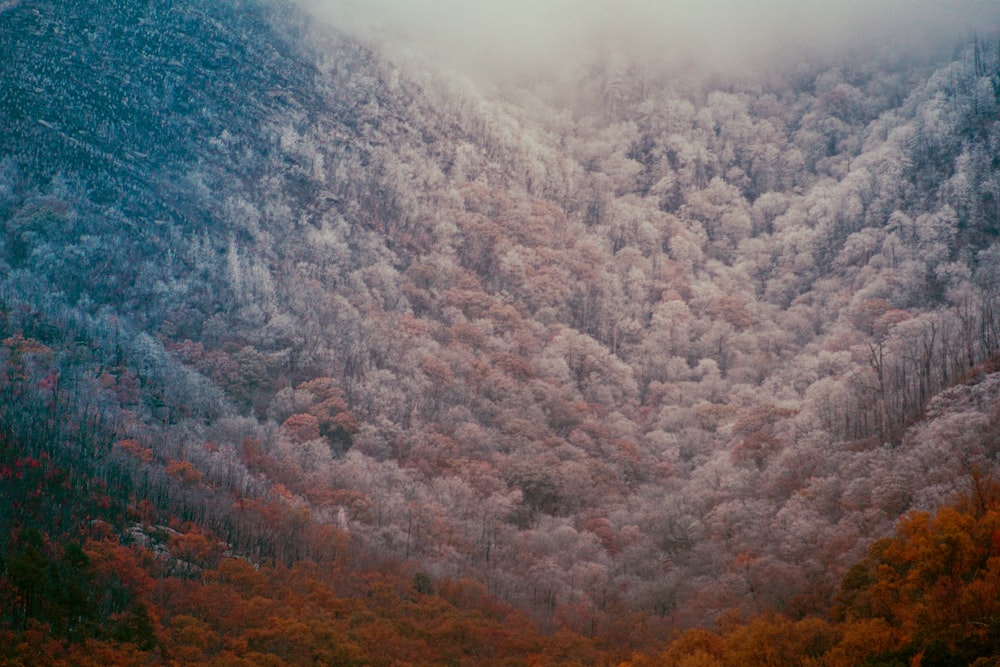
[646,344]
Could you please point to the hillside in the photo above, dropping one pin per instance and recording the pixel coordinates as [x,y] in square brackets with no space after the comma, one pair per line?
[629,352]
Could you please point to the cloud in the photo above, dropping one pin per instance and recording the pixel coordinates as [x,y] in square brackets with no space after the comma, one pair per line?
[540,36]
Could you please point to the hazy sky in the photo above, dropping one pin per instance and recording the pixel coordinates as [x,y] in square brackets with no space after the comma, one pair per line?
[511,35]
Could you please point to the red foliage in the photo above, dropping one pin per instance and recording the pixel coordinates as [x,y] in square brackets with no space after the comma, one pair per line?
[302,427]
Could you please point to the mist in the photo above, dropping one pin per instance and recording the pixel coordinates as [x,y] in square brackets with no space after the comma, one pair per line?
[531,37]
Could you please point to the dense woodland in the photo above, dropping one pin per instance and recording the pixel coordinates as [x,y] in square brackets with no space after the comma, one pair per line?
[309,352]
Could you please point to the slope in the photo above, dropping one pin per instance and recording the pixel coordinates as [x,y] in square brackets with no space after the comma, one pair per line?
[655,350]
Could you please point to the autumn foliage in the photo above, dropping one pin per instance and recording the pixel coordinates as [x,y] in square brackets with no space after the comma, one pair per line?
[297,340]
[930,595]
[76,590]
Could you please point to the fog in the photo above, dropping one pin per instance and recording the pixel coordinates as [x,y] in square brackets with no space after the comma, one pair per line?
[516,37]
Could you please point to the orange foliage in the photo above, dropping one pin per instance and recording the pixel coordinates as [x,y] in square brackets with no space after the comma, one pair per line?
[185,471]
[302,427]
[929,595]
[130,565]
[20,346]
[938,580]
[133,448]
[731,309]
[196,547]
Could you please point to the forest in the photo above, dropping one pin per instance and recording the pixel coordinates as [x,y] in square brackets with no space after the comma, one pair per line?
[314,351]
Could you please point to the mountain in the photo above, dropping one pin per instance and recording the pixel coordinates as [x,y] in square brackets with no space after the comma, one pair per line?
[617,353]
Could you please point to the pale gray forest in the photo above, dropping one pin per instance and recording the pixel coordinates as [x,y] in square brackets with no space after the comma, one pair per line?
[634,334]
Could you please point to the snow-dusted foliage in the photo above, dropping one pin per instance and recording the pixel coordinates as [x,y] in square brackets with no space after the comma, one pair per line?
[672,346]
